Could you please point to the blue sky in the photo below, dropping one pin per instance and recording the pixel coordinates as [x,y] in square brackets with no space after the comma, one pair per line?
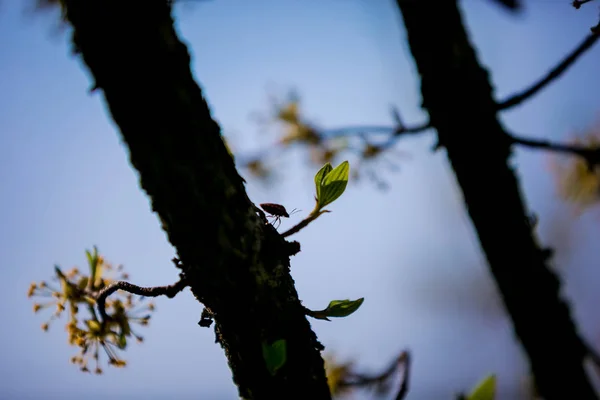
[67,185]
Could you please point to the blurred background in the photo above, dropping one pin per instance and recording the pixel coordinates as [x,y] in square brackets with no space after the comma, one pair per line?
[409,250]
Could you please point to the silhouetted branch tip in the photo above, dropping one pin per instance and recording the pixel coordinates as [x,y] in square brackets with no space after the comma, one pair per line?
[578,3]
[553,74]
[169,290]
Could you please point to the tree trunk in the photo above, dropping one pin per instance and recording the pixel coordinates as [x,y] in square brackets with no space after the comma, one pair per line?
[237,265]
[458,97]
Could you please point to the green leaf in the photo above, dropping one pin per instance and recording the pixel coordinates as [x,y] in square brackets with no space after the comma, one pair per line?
[90,257]
[93,262]
[485,389]
[337,309]
[275,355]
[334,184]
[319,178]
[343,308]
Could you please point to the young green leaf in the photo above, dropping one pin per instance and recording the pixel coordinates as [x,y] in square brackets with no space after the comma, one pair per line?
[485,389]
[333,184]
[92,258]
[275,355]
[343,308]
[337,309]
[319,178]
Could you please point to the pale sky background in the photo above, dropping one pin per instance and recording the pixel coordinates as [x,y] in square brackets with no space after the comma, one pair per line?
[67,185]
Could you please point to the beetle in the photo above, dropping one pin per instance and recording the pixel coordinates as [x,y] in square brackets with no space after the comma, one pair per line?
[276,211]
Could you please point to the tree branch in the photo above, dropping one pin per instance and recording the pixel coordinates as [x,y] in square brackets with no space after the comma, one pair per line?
[169,290]
[553,74]
[458,97]
[590,154]
[234,264]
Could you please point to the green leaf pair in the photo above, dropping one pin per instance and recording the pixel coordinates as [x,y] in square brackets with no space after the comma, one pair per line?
[330,183]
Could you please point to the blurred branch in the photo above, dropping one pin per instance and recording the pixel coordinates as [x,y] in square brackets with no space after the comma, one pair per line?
[169,290]
[514,6]
[448,63]
[361,130]
[590,154]
[553,74]
[349,131]
[379,381]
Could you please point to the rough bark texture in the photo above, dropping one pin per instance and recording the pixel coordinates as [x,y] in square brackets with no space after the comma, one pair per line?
[458,97]
[238,267]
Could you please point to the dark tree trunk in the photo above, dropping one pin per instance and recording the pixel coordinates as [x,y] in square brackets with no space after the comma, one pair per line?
[238,266]
[458,97]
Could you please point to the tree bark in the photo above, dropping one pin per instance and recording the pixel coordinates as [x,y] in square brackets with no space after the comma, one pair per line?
[458,97]
[238,266]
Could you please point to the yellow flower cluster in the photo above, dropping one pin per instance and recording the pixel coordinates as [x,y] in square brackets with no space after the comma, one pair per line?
[89,332]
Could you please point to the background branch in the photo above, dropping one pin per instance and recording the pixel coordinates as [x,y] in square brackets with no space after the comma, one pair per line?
[458,96]
[349,131]
[590,154]
[554,73]
[380,380]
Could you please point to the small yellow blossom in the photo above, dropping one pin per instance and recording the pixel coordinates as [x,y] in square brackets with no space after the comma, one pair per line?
[31,289]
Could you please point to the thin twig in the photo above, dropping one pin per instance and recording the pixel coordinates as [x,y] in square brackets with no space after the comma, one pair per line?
[169,290]
[590,154]
[361,380]
[554,73]
[361,130]
[302,224]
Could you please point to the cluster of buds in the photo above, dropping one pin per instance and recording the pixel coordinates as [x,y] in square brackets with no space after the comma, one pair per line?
[76,292]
